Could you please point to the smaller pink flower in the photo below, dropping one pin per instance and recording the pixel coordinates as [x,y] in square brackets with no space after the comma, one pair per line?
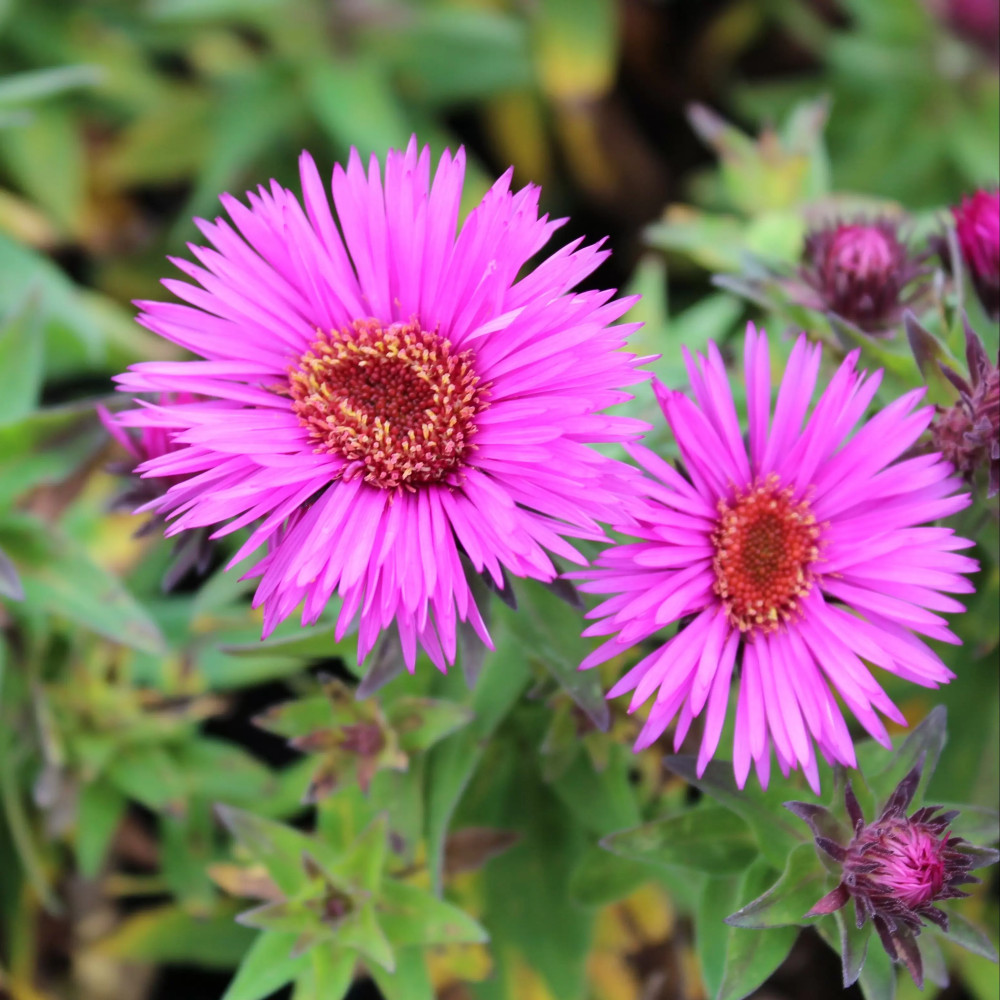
[977,224]
[859,270]
[794,555]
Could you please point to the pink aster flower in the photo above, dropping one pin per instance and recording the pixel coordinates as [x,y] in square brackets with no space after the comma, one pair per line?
[796,562]
[385,399]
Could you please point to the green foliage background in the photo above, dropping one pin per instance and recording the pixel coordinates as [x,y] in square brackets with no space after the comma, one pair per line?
[125,712]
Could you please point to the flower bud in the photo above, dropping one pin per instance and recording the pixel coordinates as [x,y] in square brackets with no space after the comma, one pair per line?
[897,867]
[977,224]
[968,433]
[859,271]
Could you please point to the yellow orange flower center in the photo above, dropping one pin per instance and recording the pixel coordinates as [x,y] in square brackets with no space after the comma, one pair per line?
[396,402]
[765,547]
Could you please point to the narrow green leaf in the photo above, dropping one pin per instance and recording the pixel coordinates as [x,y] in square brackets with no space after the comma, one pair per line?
[412,916]
[362,931]
[452,762]
[878,976]
[328,975]
[266,967]
[277,847]
[548,631]
[73,339]
[777,831]
[70,584]
[36,85]
[926,740]
[354,102]
[410,981]
[707,839]
[802,884]
[970,937]
[719,897]
[148,775]
[21,363]
[602,877]
[171,934]
[99,811]
[422,722]
[752,955]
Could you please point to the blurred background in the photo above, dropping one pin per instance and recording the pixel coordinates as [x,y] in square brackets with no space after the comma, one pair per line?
[120,121]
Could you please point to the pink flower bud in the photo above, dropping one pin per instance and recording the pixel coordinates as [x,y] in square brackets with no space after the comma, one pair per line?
[977,223]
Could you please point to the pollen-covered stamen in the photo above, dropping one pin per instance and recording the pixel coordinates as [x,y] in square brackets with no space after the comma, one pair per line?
[765,546]
[396,402]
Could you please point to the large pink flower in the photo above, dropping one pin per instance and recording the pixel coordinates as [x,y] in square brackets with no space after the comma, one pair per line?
[383,395]
[799,558]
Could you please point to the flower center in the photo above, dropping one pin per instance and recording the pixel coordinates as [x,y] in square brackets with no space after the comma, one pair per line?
[862,251]
[765,545]
[395,402]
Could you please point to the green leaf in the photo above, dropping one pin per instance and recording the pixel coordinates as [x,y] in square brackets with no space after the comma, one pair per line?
[29,853]
[305,643]
[452,763]
[602,802]
[171,934]
[328,975]
[421,722]
[277,847]
[73,339]
[70,584]
[802,884]
[362,930]
[547,631]
[412,916]
[354,102]
[455,54]
[21,361]
[719,897]
[46,160]
[148,775]
[219,771]
[410,981]
[777,831]
[266,967]
[878,976]
[36,85]
[926,740]
[752,955]
[707,839]
[854,943]
[249,120]
[601,877]
[99,811]
[362,865]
